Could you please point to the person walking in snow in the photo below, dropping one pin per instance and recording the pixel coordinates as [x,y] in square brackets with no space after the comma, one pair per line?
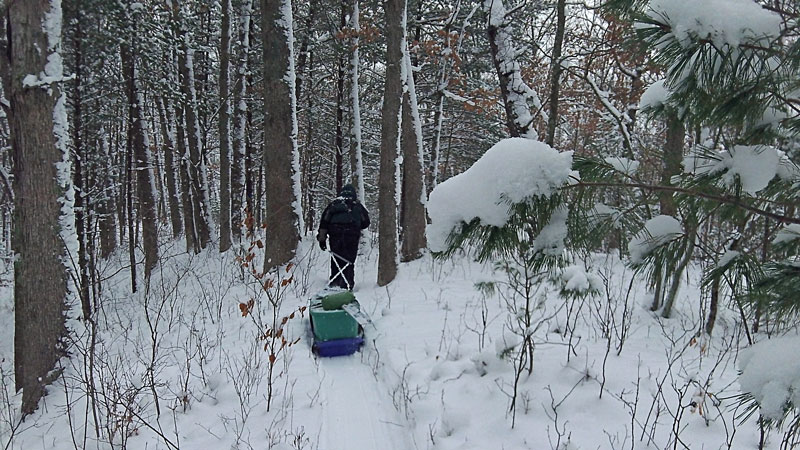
[341,224]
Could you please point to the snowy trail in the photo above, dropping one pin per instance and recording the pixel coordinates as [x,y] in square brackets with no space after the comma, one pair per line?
[356,414]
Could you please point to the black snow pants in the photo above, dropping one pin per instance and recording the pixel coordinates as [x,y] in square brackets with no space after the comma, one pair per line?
[344,246]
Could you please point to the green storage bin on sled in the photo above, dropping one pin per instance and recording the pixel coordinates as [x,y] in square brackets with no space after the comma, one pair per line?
[328,320]
[333,324]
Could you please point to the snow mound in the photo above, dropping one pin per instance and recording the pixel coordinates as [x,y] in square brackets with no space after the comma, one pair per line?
[657,231]
[753,165]
[724,22]
[579,281]
[511,171]
[779,385]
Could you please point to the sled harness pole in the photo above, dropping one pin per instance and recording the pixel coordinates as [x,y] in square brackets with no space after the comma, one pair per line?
[340,268]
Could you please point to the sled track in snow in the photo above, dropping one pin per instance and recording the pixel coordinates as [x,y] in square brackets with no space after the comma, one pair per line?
[355,412]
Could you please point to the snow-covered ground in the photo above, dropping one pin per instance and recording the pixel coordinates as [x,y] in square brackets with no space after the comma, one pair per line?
[179,366]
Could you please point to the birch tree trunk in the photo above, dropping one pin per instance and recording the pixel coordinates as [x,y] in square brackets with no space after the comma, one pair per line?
[390,141]
[281,158]
[355,131]
[41,167]
[225,153]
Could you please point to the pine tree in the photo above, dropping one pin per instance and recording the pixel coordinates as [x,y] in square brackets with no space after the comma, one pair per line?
[41,166]
[281,158]
[395,11]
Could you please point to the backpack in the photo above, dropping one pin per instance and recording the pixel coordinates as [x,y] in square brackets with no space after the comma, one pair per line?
[345,214]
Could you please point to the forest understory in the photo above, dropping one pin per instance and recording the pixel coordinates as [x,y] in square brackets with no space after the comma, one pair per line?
[179,365]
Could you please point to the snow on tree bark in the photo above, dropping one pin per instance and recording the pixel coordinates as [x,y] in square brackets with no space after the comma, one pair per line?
[43,214]
[184,170]
[143,161]
[412,206]
[390,139]
[107,203]
[196,172]
[338,143]
[281,157]
[167,123]
[238,171]
[225,153]
[80,178]
[555,72]
[515,92]
[355,132]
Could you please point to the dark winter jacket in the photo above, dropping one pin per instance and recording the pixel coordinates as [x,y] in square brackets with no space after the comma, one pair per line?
[344,215]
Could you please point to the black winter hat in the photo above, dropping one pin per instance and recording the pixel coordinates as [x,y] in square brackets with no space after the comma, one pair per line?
[348,191]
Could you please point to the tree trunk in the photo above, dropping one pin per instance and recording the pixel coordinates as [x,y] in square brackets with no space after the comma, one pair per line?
[281,158]
[38,138]
[438,115]
[131,217]
[107,203]
[671,162]
[251,169]
[670,165]
[514,91]
[302,54]
[555,72]
[311,166]
[197,172]
[225,153]
[79,176]
[675,277]
[355,132]
[765,241]
[240,124]
[120,156]
[340,77]
[412,205]
[390,141]
[167,120]
[5,67]
[143,160]
[184,170]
